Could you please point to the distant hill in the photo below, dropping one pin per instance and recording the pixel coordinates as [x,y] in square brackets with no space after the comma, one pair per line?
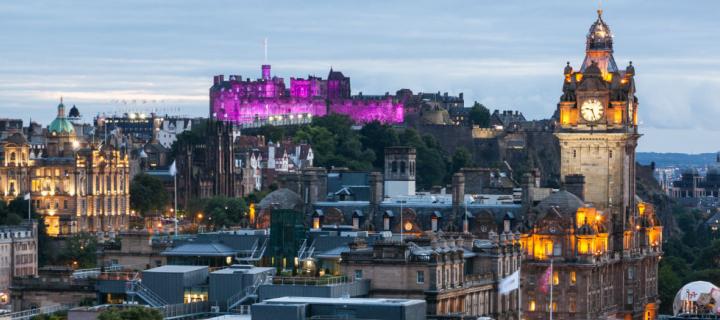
[676,159]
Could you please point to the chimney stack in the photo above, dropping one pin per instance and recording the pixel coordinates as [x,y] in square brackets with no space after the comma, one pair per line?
[575,184]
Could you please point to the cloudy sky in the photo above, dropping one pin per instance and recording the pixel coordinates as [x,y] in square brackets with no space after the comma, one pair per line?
[505,54]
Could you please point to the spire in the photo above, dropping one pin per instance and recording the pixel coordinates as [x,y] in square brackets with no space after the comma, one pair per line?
[61,109]
[599,46]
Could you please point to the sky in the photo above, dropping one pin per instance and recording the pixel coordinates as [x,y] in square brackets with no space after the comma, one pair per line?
[141,55]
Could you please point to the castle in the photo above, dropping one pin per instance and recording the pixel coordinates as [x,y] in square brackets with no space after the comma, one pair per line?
[249,101]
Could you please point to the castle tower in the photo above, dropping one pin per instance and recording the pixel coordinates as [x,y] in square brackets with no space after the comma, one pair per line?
[399,171]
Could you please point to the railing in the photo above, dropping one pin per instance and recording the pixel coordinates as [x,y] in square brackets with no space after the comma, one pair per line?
[94,272]
[28,314]
[311,281]
[136,288]
[248,293]
[183,310]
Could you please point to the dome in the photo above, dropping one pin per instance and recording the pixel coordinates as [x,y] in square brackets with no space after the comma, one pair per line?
[696,292]
[565,202]
[61,125]
[282,199]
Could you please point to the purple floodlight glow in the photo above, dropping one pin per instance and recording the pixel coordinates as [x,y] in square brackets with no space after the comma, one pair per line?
[248,101]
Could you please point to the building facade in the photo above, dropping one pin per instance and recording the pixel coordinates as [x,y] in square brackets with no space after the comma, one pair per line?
[75,184]
[18,255]
[256,101]
[454,275]
[603,241]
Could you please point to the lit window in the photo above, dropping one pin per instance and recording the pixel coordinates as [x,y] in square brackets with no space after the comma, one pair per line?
[573,278]
[556,278]
[531,305]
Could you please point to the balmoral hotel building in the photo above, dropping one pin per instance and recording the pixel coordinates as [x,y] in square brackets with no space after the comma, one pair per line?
[77,183]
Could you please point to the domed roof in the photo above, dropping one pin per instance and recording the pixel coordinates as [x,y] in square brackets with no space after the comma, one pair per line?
[282,199]
[565,202]
[61,125]
[693,292]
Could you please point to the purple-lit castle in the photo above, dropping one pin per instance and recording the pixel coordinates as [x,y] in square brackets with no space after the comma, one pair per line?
[248,101]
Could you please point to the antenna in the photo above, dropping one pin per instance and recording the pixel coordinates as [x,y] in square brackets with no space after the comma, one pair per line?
[265,46]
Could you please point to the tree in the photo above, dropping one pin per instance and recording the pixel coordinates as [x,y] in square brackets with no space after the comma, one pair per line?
[147,193]
[131,313]
[224,211]
[479,115]
[80,251]
[376,137]
[461,159]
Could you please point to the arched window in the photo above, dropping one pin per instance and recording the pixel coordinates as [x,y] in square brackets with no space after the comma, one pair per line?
[402,166]
[394,166]
[12,156]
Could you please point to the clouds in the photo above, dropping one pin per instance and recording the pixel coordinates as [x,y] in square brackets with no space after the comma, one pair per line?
[506,54]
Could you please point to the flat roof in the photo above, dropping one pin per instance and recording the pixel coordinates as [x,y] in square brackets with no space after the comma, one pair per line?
[253,270]
[356,301]
[176,269]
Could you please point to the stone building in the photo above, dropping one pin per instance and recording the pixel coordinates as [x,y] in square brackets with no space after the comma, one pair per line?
[605,243]
[455,275]
[75,184]
[18,255]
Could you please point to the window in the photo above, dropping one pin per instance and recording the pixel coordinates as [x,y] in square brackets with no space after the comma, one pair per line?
[573,278]
[556,278]
[420,277]
[572,304]
[574,153]
[557,249]
[531,305]
[631,273]
[358,274]
[630,299]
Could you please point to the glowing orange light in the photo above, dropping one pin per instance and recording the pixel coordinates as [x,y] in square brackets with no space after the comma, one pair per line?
[408,226]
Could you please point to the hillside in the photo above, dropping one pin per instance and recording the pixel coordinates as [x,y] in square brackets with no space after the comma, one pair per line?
[676,159]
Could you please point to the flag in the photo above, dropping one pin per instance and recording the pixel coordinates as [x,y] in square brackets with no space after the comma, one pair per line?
[27,196]
[545,280]
[173,169]
[509,283]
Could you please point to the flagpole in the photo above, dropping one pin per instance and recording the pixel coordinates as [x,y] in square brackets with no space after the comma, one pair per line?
[519,292]
[552,283]
[29,206]
[176,219]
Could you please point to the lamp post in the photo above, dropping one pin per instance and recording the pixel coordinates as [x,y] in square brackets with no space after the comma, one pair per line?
[402,223]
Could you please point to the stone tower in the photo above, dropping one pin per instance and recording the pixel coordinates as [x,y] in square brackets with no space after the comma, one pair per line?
[598,132]
[399,171]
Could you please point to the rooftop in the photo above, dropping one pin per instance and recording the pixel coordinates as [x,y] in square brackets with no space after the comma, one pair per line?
[351,301]
[176,269]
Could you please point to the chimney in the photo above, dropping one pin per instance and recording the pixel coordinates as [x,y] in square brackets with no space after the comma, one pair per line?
[575,184]
[376,187]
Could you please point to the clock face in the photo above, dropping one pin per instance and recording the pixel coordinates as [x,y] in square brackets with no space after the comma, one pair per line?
[592,110]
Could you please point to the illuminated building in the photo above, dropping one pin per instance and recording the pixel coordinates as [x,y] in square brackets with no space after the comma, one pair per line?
[250,101]
[75,185]
[604,241]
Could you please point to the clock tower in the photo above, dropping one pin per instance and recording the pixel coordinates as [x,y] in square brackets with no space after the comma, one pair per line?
[597,131]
